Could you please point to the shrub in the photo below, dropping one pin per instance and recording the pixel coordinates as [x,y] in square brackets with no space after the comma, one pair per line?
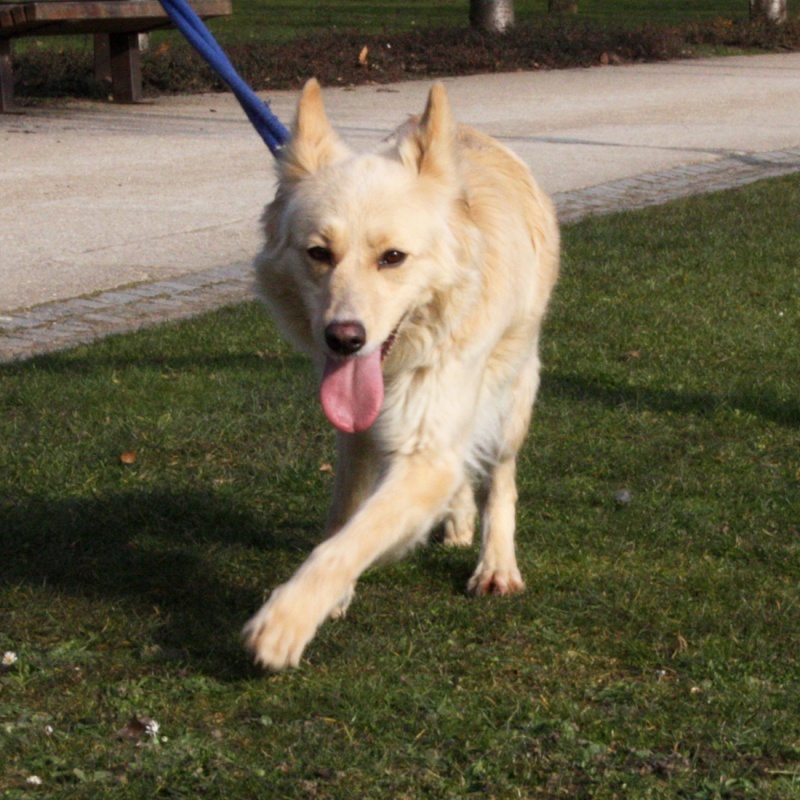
[333,57]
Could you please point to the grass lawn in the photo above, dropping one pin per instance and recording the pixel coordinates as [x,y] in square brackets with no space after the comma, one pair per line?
[654,654]
[282,20]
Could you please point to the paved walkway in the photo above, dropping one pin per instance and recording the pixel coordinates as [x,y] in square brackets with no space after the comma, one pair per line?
[114,217]
[58,325]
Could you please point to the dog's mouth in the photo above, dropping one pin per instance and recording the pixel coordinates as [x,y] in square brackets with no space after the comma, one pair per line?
[351,391]
[387,346]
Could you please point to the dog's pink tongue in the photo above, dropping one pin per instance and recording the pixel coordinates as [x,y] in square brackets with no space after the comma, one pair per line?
[352,392]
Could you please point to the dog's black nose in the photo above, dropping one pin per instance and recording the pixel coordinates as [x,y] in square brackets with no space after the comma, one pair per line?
[345,338]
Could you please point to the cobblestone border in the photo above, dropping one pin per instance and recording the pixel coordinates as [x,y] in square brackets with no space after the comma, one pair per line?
[55,326]
[654,188]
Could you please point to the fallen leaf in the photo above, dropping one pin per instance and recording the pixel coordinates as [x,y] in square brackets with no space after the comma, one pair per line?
[362,56]
[128,458]
[137,728]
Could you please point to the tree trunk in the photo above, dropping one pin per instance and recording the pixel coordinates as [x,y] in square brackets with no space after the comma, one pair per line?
[491,15]
[562,6]
[768,10]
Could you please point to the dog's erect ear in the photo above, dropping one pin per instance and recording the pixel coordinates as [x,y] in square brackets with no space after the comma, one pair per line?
[429,146]
[314,143]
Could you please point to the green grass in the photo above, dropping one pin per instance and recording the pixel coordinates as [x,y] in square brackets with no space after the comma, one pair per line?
[279,46]
[278,22]
[654,654]
[281,21]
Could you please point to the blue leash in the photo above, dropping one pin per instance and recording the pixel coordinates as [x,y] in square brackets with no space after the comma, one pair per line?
[269,127]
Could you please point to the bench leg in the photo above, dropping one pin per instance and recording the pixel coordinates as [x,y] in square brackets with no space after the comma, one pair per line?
[102,59]
[126,67]
[6,76]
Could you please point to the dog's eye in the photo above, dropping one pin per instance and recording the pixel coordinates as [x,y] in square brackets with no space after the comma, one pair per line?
[392,258]
[320,254]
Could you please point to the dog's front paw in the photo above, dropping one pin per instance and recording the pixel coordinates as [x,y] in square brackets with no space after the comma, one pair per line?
[280,631]
[495,581]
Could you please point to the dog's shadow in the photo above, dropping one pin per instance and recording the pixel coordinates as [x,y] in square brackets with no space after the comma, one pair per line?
[171,557]
[168,557]
[190,563]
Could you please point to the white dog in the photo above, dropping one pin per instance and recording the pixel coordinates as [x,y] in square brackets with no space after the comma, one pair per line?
[417,280]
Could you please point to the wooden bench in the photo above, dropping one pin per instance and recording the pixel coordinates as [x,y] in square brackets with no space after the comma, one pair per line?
[115,23]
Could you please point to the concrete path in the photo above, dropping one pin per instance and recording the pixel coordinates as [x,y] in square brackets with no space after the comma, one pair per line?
[114,217]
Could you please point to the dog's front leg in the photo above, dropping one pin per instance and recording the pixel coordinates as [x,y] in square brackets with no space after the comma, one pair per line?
[405,504]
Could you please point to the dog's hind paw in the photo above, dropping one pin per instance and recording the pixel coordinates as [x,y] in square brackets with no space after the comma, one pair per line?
[495,581]
[458,532]
[278,633]
[459,525]
[340,609]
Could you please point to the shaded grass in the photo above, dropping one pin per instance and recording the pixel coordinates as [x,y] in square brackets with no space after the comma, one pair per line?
[653,655]
[281,50]
[281,22]
[290,19]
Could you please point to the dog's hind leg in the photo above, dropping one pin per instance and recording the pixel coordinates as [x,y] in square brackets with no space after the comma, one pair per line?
[497,571]
[340,609]
[357,471]
[459,525]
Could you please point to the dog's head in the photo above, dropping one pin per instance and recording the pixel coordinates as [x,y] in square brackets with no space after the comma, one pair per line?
[358,246]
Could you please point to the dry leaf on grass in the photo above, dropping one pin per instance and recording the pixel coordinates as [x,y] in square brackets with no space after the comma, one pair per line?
[138,728]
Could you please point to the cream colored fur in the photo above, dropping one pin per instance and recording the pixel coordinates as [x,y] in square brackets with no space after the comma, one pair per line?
[482,247]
